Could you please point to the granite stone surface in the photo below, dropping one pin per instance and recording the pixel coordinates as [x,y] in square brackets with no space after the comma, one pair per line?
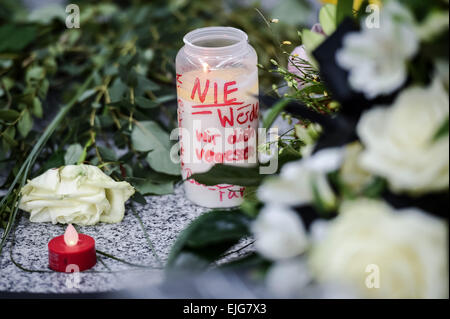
[163,217]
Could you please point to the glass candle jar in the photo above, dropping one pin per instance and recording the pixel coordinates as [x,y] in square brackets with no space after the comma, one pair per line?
[217,88]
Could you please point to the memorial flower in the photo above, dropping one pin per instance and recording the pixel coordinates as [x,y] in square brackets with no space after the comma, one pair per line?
[279,233]
[382,252]
[77,194]
[299,179]
[400,143]
[377,57]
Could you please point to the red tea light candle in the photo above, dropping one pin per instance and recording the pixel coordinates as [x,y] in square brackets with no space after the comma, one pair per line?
[71,251]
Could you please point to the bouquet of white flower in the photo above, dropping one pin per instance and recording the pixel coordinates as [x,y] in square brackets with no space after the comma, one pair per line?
[366,210]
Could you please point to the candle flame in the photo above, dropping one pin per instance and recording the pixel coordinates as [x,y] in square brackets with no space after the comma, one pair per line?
[205,67]
[71,236]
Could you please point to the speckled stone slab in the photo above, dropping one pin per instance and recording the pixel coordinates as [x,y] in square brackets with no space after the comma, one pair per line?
[164,217]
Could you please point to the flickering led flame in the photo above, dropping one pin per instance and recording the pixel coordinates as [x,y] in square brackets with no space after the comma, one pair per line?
[71,236]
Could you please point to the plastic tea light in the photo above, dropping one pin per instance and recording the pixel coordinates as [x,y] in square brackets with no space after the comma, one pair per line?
[71,251]
[217,87]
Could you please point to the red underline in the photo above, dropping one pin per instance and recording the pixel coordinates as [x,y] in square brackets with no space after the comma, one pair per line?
[217,104]
[217,188]
[202,112]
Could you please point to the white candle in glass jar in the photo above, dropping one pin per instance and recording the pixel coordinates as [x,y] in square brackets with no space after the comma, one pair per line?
[217,86]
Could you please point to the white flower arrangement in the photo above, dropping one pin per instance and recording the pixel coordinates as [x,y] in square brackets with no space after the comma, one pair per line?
[377,57]
[369,249]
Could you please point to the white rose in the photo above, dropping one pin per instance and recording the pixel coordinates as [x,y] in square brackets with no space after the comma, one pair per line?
[77,194]
[376,57]
[399,141]
[279,233]
[409,247]
[295,185]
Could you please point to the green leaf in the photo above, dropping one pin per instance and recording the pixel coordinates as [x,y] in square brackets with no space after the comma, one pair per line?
[327,18]
[107,154]
[160,161]
[87,94]
[319,204]
[235,175]
[43,88]
[311,40]
[138,198]
[5,64]
[344,9]
[14,38]
[37,107]
[273,112]
[56,160]
[125,104]
[34,74]
[8,136]
[209,236]
[313,88]
[128,76]
[9,115]
[25,123]
[149,136]
[287,155]
[128,61]
[442,130]
[253,261]
[145,85]
[145,103]
[217,227]
[147,187]
[47,13]
[73,153]
[117,90]
[375,188]
[149,104]
[251,205]
[189,261]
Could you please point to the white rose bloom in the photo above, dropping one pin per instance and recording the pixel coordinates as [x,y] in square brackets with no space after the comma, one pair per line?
[76,194]
[295,184]
[376,57]
[399,141]
[288,278]
[408,247]
[279,233]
